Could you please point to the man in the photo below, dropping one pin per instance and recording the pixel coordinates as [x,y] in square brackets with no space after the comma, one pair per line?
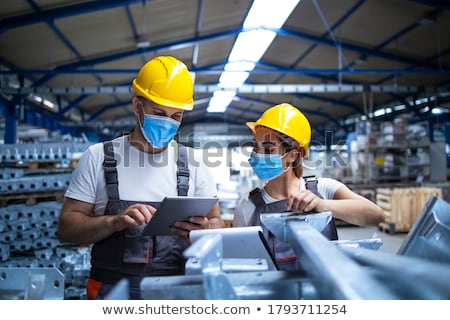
[117,186]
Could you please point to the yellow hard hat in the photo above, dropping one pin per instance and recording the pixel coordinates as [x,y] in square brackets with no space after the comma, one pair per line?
[166,81]
[288,120]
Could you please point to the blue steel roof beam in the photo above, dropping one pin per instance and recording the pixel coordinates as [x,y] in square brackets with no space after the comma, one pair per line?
[126,54]
[47,119]
[314,45]
[354,48]
[134,31]
[390,40]
[202,70]
[106,108]
[330,78]
[239,120]
[219,116]
[62,12]
[73,104]
[399,34]
[317,113]
[234,32]
[132,24]
[52,26]
[109,107]
[331,35]
[333,101]
[69,45]
[444,5]
[197,32]
[351,11]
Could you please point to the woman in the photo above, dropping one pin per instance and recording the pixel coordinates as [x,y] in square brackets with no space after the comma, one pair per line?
[281,140]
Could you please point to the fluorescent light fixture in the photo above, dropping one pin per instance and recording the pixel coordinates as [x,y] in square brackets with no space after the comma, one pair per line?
[43,101]
[249,47]
[379,112]
[48,104]
[439,110]
[142,44]
[220,100]
[399,107]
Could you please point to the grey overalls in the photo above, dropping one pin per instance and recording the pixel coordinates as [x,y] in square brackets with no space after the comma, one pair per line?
[284,254]
[128,254]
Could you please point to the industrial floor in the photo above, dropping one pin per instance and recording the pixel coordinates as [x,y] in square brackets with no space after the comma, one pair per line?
[391,242]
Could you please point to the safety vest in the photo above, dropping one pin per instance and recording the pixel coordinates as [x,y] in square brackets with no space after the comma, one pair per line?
[128,253]
[282,251]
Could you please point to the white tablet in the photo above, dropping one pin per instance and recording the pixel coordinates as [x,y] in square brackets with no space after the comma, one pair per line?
[174,209]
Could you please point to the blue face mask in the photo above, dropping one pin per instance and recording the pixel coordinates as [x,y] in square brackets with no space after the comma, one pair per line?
[266,166]
[158,130]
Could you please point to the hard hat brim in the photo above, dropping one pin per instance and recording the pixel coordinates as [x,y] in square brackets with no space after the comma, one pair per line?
[164,102]
[251,125]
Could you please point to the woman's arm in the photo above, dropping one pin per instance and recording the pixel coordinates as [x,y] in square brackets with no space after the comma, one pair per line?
[353,208]
[346,205]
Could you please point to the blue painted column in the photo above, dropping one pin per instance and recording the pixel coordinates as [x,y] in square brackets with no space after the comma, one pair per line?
[10,124]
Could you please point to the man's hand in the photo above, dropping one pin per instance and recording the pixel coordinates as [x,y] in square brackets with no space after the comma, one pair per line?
[133,216]
[182,228]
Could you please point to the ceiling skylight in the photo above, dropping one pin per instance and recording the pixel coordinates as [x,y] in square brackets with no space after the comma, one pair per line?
[249,47]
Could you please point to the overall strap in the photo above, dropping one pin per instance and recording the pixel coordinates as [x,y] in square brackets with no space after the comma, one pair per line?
[183,171]
[330,230]
[109,166]
[256,198]
[311,185]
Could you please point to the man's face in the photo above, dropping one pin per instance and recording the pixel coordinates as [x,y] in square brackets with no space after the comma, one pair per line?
[149,107]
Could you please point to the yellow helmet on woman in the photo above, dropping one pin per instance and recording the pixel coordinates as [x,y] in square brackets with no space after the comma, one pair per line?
[288,120]
[165,80]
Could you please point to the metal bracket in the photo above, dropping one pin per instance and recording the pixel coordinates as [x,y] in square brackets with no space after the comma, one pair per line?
[31,284]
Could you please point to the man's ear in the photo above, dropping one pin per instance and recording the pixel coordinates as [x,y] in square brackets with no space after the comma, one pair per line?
[137,105]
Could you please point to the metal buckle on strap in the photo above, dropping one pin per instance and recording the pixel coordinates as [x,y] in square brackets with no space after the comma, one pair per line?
[183,179]
[109,163]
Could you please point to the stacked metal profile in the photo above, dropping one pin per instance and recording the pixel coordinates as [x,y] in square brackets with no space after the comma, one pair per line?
[33,178]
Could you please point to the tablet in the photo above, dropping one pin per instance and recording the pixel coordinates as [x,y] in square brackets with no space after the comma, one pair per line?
[241,243]
[174,209]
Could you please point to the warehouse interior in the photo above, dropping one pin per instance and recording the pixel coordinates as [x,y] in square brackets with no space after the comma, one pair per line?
[371,76]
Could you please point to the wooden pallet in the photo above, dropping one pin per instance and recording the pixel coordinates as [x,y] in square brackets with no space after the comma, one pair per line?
[389,228]
[34,165]
[31,198]
[402,206]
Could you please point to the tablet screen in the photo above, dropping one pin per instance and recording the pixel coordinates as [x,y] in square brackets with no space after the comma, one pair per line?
[174,209]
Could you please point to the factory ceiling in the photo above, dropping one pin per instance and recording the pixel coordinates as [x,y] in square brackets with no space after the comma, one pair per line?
[69,64]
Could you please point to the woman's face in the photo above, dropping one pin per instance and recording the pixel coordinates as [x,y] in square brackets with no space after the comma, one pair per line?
[266,141]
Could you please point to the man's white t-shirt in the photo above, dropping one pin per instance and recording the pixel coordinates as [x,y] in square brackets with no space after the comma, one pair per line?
[142,176]
[245,208]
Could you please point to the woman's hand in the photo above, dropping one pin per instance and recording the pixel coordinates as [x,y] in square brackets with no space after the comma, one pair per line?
[305,201]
